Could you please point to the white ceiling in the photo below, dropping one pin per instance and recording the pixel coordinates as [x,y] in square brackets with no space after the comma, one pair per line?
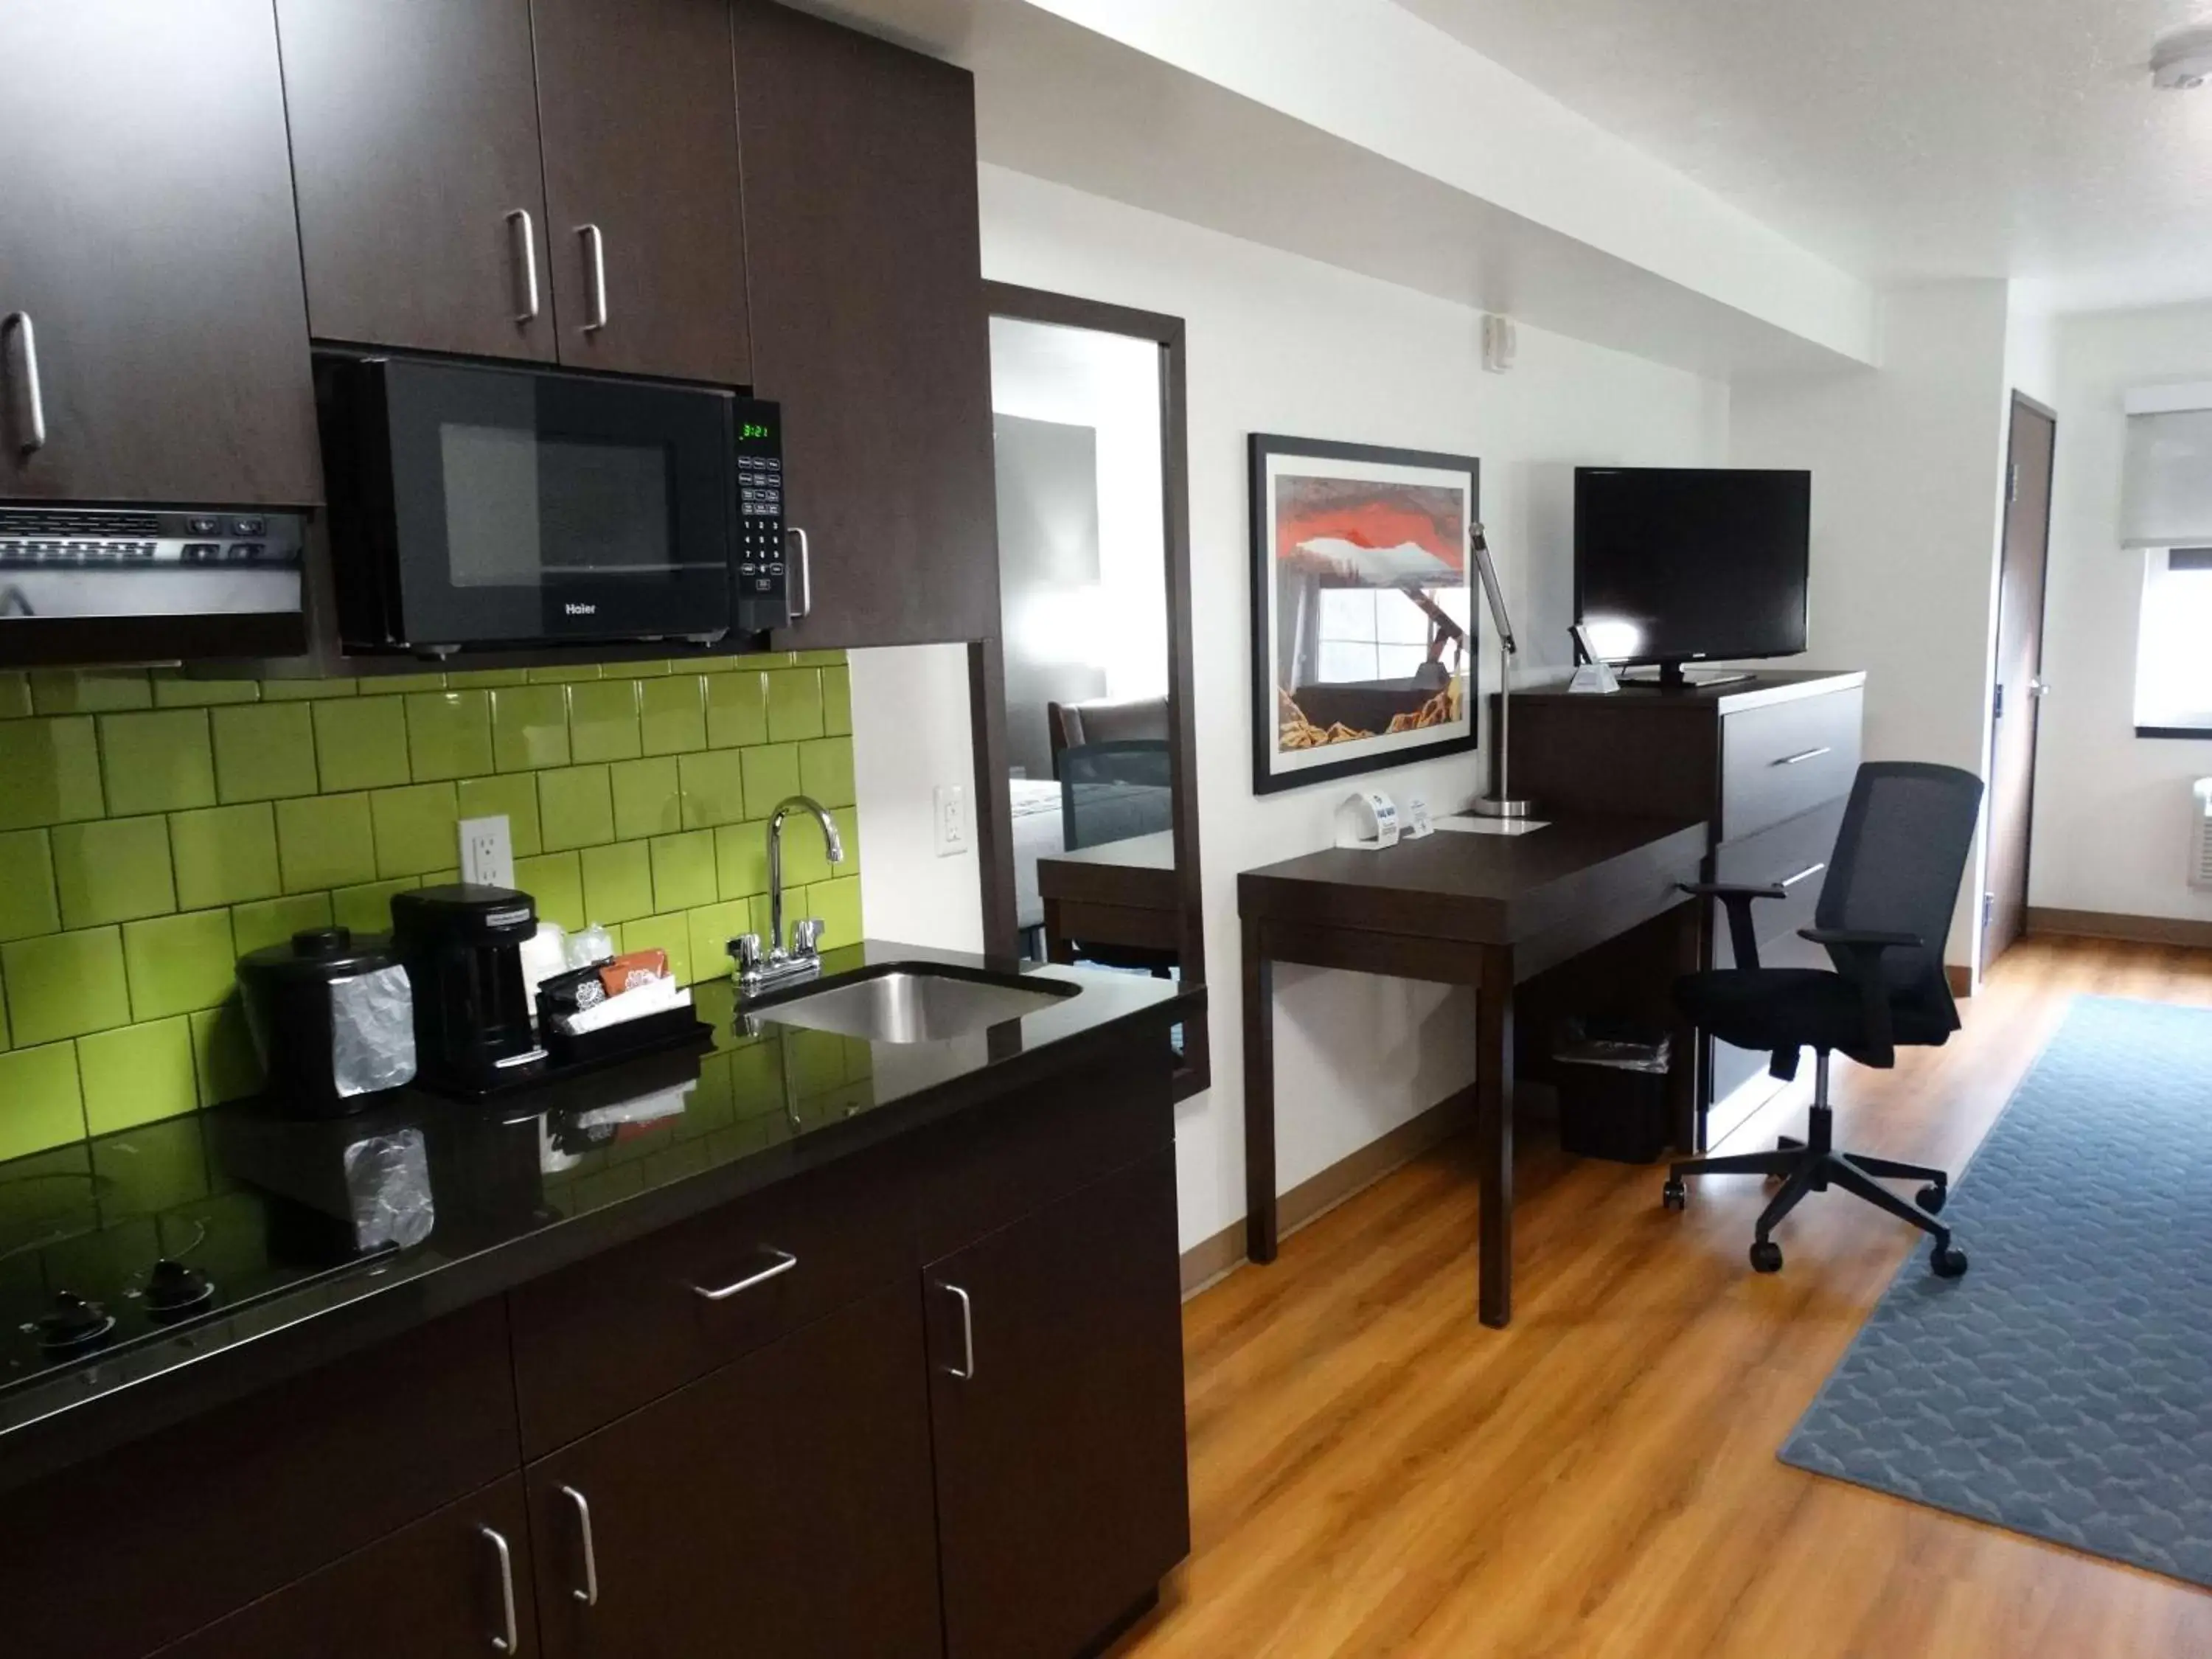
[1902,139]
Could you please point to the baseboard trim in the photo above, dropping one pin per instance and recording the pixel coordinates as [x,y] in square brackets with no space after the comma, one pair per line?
[1211,1260]
[2134,930]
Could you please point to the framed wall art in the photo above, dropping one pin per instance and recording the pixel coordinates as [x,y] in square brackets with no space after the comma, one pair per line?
[1363,632]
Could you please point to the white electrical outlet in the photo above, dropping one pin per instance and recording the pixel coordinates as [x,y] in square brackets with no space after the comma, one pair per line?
[952,820]
[487,851]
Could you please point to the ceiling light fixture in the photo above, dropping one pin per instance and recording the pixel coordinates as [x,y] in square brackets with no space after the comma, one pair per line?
[2183,60]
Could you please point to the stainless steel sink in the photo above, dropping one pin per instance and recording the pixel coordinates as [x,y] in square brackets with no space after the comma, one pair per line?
[916,1004]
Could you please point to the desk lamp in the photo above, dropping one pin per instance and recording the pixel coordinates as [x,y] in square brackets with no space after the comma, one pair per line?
[1501,805]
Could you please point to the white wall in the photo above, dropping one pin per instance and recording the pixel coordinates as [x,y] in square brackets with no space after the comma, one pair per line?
[911,733]
[2110,829]
[1907,463]
[1278,344]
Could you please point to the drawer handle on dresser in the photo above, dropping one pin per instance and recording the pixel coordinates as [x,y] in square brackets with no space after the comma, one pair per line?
[508,1642]
[1810,754]
[34,437]
[783,1266]
[1806,874]
[589,1596]
[965,1371]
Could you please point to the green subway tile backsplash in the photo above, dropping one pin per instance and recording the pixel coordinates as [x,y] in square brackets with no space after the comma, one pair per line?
[154,827]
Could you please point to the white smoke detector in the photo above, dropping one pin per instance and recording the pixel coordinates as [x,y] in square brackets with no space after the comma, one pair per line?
[2182,60]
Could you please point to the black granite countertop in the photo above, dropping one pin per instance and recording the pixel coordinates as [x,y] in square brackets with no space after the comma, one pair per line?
[319,1237]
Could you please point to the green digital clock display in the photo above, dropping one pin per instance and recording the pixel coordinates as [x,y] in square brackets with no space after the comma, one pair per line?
[756,429]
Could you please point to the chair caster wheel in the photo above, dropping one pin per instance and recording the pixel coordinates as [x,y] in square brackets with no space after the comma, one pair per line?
[1948,1261]
[1766,1256]
[1673,1194]
[1930,1198]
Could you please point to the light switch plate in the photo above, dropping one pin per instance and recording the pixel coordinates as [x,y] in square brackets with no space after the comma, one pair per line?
[487,851]
[952,834]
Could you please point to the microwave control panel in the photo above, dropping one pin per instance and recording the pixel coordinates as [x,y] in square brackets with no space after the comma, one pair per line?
[763,575]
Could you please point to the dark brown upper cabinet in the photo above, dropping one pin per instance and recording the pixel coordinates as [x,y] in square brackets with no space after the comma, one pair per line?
[645,242]
[415,149]
[869,326]
[153,339]
[555,180]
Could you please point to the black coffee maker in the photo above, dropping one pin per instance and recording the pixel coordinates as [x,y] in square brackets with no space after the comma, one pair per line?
[474,1032]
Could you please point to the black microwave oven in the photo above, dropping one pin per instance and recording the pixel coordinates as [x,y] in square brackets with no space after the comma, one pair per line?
[478,507]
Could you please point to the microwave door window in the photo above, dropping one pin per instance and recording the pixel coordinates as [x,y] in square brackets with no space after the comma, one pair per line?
[528,510]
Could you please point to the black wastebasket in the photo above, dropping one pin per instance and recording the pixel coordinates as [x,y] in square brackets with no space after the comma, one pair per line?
[1613,1091]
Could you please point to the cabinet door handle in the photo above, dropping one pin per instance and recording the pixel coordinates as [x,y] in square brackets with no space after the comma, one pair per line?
[589,1596]
[965,1371]
[34,398]
[595,251]
[785,1262]
[508,1641]
[1806,874]
[803,600]
[1799,759]
[525,265]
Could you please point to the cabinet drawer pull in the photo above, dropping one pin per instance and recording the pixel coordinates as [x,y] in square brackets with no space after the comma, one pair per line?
[1806,874]
[786,1261]
[589,1596]
[1809,754]
[508,1641]
[595,249]
[525,265]
[965,1371]
[803,600]
[34,397]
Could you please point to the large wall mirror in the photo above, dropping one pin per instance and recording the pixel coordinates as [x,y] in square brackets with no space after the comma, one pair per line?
[1096,759]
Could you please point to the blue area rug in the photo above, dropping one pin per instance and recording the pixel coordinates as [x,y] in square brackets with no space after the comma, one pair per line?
[2063,1387]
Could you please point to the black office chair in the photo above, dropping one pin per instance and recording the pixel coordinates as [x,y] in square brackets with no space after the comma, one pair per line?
[1885,910]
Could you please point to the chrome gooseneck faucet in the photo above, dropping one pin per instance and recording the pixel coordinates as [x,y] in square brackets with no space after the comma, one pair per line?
[800,958]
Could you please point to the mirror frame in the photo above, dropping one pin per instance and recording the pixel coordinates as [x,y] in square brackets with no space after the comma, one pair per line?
[986,664]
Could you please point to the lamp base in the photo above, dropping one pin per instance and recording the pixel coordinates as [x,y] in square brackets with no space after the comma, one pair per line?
[1489,806]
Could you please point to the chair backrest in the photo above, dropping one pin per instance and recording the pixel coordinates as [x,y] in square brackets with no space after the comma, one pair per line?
[1898,859]
[1114,790]
[1103,721]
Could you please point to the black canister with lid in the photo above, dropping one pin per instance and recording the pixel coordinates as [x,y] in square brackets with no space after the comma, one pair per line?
[332,1020]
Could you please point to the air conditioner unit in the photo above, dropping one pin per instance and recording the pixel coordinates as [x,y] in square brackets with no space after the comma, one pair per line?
[2200,837]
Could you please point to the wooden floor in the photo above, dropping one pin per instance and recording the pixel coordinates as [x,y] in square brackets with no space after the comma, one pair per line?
[1373,1472]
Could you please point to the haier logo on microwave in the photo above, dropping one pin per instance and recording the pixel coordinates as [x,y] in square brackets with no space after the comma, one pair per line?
[576,610]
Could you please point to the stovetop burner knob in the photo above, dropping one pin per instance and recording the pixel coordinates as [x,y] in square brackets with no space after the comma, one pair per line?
[174,1287]
[72,1323]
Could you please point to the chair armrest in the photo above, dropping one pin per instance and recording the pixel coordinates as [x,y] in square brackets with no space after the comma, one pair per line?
[1863,948]
[1735,898]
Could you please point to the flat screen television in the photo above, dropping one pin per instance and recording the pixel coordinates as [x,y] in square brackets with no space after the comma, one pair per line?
[1679,564]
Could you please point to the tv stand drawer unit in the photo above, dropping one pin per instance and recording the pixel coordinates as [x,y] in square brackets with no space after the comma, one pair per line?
[1749,757]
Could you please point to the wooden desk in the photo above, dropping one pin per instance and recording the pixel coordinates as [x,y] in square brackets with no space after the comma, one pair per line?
[1488,911]
[1119,893]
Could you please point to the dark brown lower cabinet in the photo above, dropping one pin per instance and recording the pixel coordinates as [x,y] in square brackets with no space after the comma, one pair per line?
[454,1585]
[1056,1394]
[780,1506]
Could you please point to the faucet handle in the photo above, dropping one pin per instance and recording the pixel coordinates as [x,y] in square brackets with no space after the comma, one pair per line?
[745,951]
[806,937]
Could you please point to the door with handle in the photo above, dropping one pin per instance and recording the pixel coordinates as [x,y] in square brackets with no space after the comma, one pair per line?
[1057,1410]
[415,153]
[160,357]
[453,1586]
[786,1496]
[637,104]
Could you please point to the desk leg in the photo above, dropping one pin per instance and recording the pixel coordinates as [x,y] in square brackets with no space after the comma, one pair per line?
[1685,1082]
[1259,1238]
[1057,946]
[1493,1131]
